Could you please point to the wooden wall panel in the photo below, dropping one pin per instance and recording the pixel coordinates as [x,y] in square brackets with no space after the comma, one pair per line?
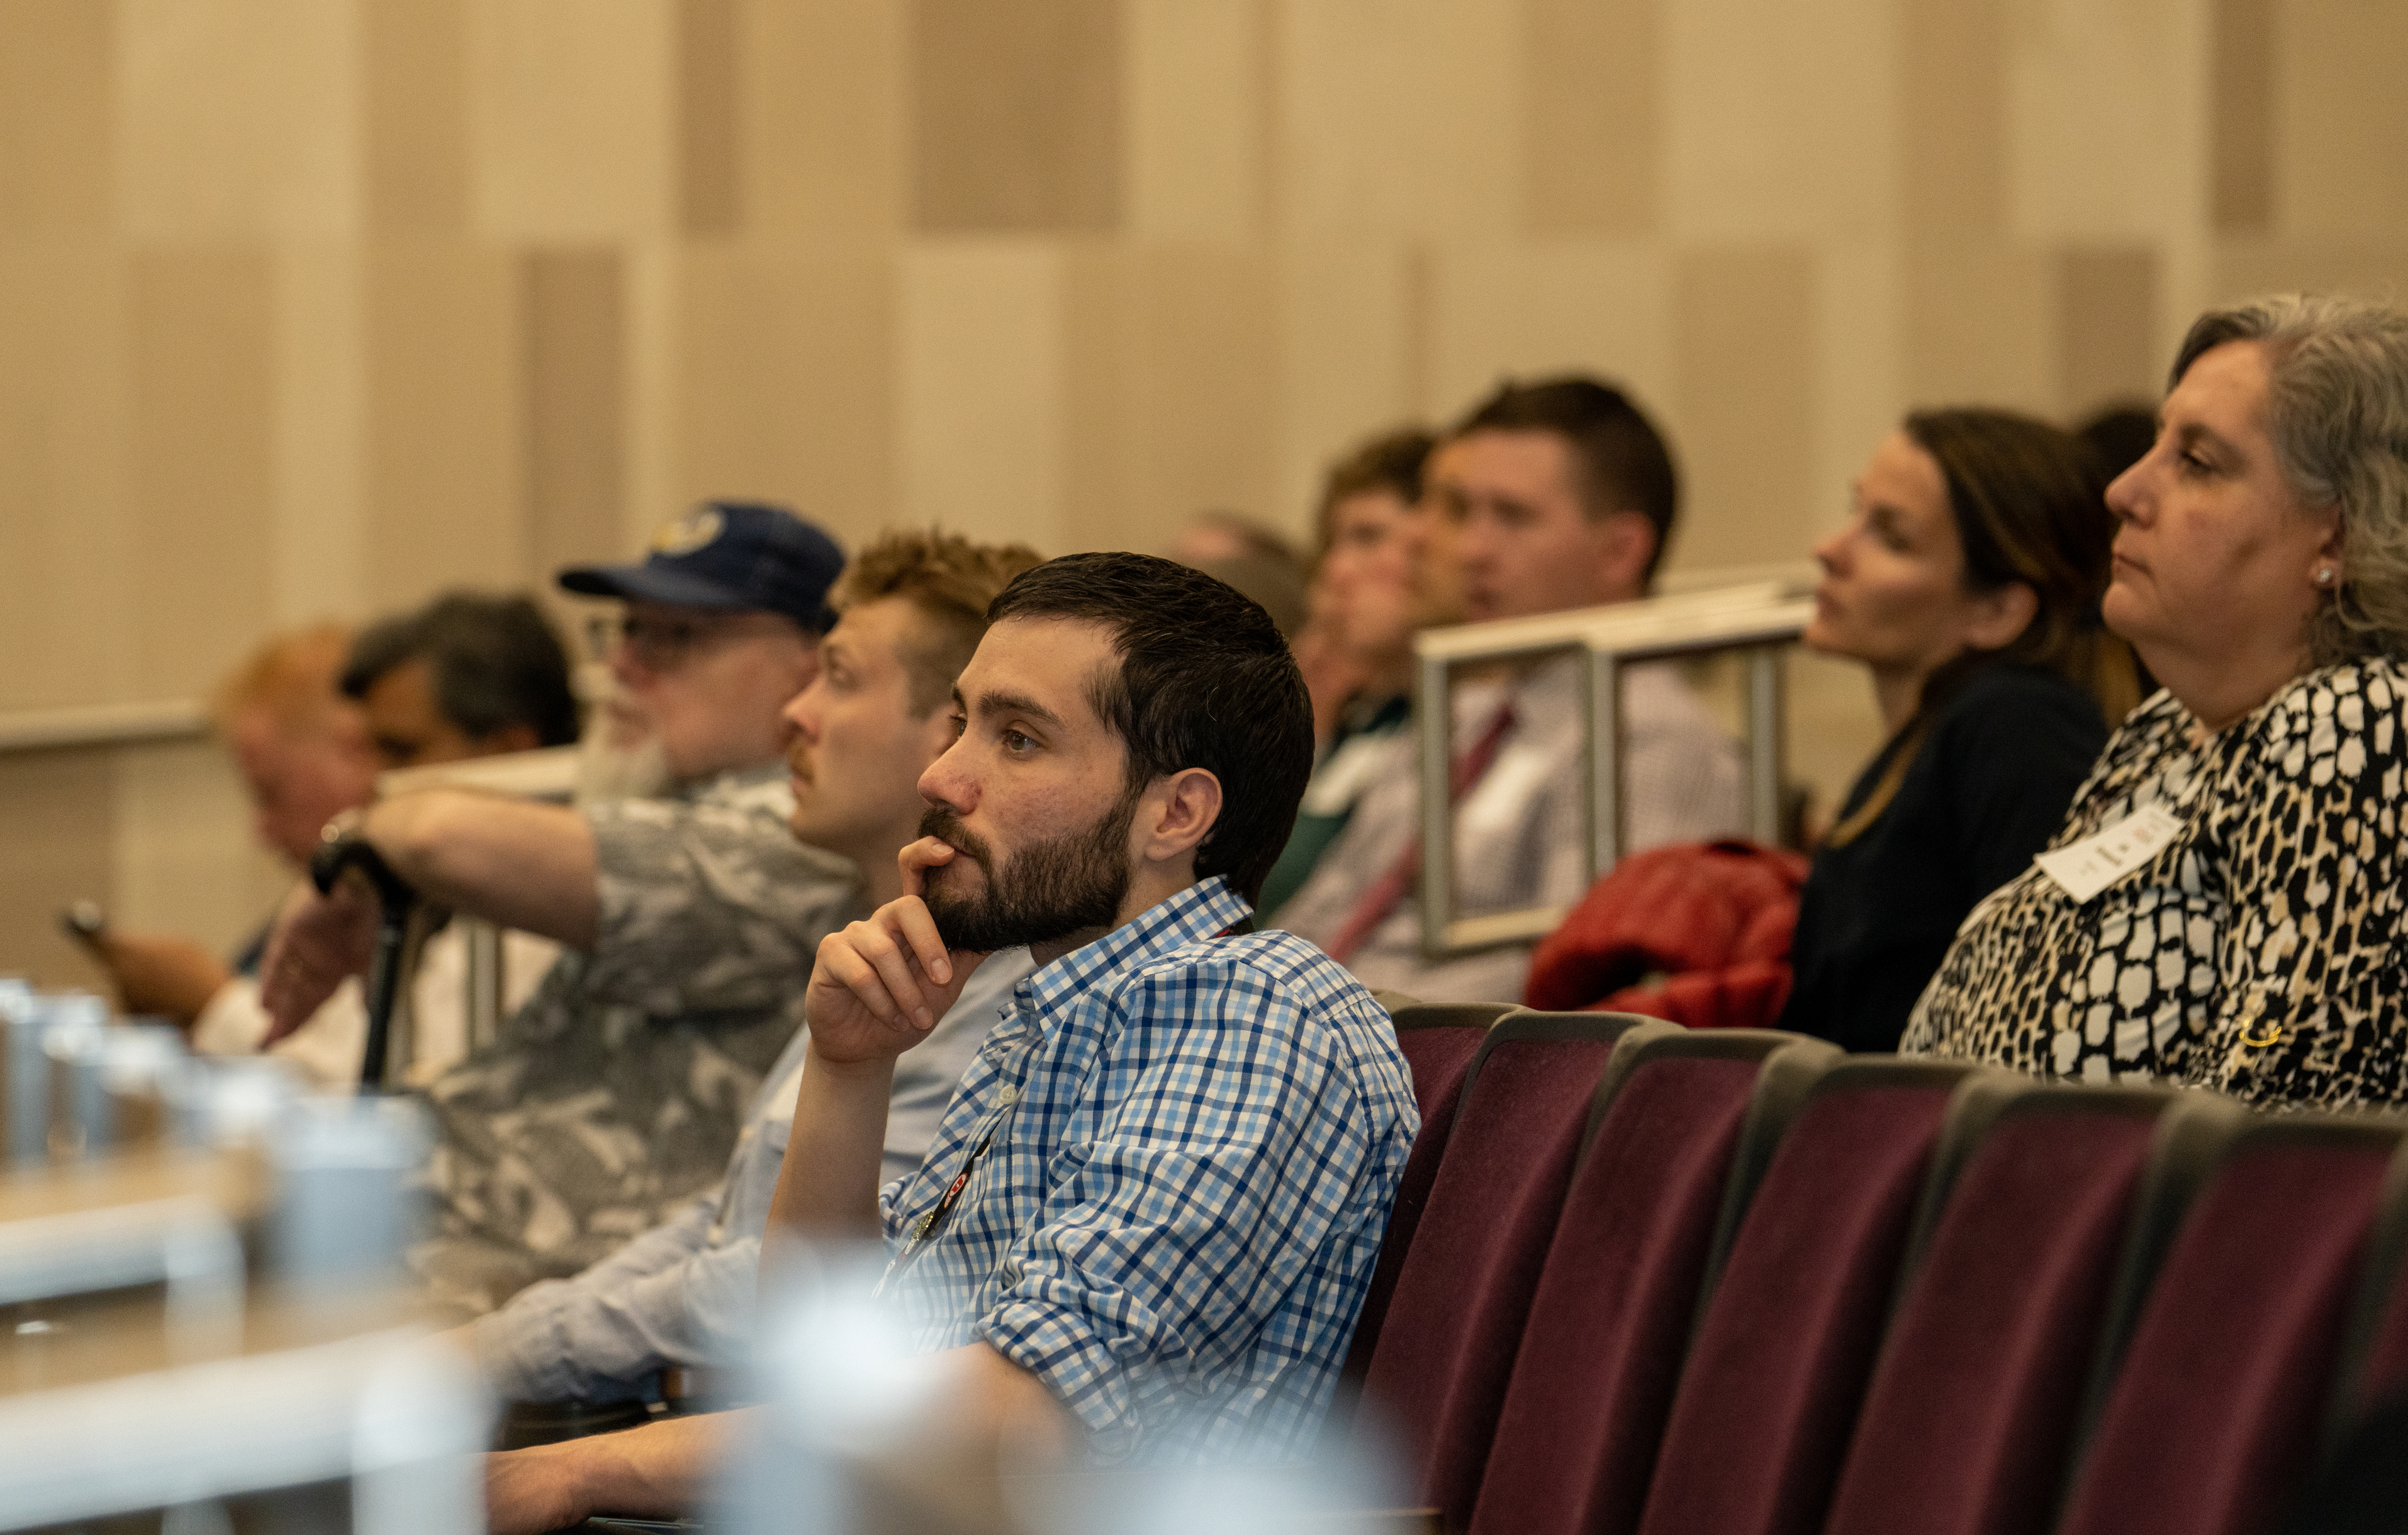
[1743,335]
[201,463]
[1591,118]
[1016,115]
[571,325]
[414,56]
[446,451]
[786,382]
[55,174]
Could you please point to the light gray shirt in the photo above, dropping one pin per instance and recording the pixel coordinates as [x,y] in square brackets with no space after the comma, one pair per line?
[1520,831]
[682,1293]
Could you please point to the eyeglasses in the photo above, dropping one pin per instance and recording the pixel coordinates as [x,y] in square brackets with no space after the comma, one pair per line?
[664,644]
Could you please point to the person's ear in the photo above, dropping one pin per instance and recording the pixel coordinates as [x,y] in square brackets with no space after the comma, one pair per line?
[1998,616]
[1626,544]
[1175,814]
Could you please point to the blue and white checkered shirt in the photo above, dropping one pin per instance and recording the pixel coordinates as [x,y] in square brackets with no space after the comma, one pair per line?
[1197,1139]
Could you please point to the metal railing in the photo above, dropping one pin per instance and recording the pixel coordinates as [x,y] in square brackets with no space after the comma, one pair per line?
[1760,620]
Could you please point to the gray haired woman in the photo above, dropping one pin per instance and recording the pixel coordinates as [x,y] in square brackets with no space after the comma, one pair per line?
[2223,906]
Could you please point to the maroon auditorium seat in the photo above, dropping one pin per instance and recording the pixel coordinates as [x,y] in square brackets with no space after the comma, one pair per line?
[1611,1317]
[1787,1334]
[2375,1357]
[2212,1415]
[1439,1039]
[1967,1423]
[1437,1375]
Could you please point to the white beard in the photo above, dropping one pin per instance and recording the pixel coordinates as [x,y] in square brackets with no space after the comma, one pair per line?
[619,757]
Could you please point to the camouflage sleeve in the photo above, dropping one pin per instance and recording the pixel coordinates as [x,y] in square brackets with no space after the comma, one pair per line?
[711,905]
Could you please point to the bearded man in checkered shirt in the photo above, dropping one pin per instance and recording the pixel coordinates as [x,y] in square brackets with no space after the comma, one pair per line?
[1150,1214]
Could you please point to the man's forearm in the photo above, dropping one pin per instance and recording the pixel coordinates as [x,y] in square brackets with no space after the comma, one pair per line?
[828,1187]
[660,1470]
[511,861]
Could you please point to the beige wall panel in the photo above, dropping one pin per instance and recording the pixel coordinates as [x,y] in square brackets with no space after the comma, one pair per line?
[1557,307]
[319,512]
[1172,359]
[2242,269]
[56,821]
[574,377]
[54,116]
[1953,119]
[238,118]
[1016,115]
[1859,391]
[64,593]
[1778,121]
[980,390]
[183,860]
[1592,116]
[709,169]
[571,115]
[2340,139]
[2107,342]
[415,61]
[1741,412]
[2103,120]
[1399,117]
[825,93]
[1981,326]
[1349,367]
[2244,84]
[1197,115]
[446,421]
[785,383]
[202,454]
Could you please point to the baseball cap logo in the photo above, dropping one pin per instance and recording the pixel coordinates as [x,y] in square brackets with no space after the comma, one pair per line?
[686,534]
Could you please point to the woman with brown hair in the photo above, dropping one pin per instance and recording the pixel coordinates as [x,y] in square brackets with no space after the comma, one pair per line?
[1966,579]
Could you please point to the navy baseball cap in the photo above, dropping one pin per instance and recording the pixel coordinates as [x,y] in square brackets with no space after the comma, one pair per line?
[728,554]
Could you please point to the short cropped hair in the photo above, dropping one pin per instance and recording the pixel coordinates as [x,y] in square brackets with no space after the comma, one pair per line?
[289,679]
[1391,462]
[1204,681]
[1620,460]
[493,662]
[951,582]
[2337,411]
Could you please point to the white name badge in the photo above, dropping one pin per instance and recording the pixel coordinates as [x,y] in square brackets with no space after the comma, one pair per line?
[2085,867]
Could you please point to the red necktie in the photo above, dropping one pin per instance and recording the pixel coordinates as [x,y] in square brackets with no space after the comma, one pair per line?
[1389,890]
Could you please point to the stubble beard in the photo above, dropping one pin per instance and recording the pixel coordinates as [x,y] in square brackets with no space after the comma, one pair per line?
[1050,889]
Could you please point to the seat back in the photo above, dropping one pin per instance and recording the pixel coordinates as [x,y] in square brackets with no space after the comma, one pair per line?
[2209,1417]
[1439,1039]
[1968,1422]
[1437,1373]
[1610,1320]
[1787,1333]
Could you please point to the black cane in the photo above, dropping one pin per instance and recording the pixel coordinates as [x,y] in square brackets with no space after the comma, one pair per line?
[395,898]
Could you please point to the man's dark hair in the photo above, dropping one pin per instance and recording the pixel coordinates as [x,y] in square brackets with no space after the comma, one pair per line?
[1620,461]
[1205,680]
[493,662]
[1391,462]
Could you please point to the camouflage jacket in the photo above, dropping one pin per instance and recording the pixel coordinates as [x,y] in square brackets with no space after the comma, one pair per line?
[618,1090]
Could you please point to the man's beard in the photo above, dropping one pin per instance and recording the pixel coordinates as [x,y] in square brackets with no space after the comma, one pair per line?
[1068,884]
[619,756]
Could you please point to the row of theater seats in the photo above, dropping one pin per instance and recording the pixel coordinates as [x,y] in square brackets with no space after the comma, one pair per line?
[1647,1279]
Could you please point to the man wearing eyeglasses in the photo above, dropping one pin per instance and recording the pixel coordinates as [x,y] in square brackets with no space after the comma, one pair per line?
[690,918]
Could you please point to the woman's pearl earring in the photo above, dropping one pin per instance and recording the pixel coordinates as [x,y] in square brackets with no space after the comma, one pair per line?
[2324,575]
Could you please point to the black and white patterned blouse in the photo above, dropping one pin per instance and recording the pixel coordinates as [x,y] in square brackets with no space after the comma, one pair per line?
[2259,951]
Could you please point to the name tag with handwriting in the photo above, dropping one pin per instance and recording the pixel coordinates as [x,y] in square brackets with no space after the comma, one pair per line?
[2085,867]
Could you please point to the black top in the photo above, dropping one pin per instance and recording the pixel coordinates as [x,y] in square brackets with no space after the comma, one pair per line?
[1988,790]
